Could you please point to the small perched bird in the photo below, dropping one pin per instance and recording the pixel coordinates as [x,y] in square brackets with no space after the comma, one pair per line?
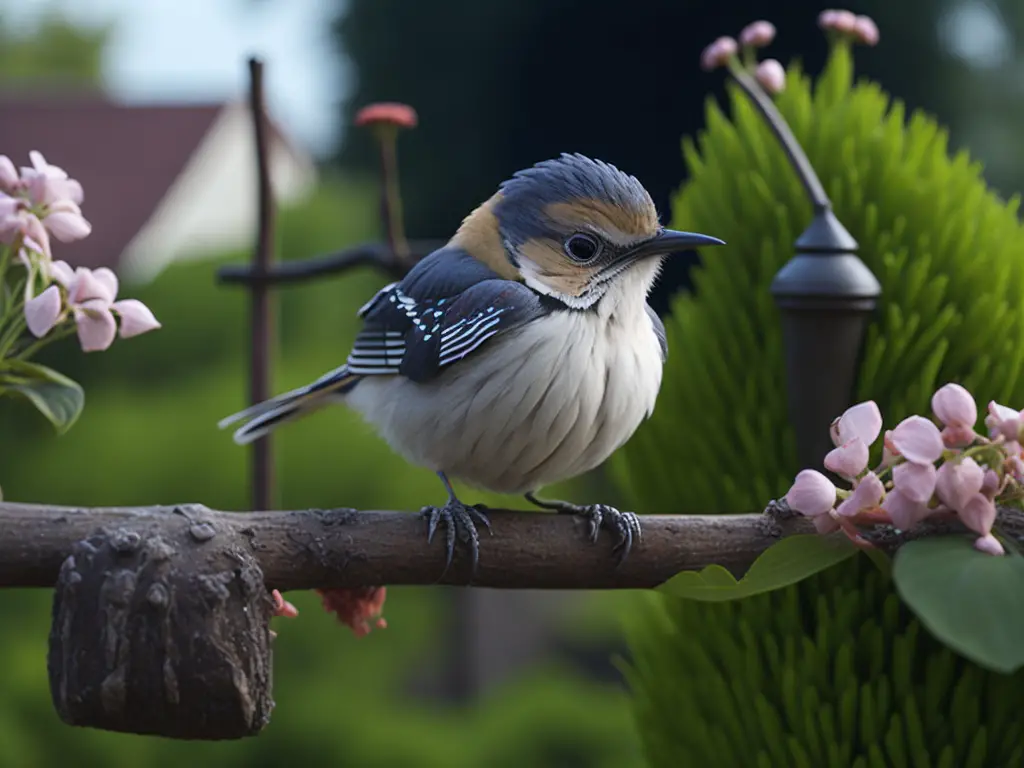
[522,353]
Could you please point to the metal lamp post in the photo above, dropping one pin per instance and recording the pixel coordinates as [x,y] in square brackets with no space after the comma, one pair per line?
[827,296]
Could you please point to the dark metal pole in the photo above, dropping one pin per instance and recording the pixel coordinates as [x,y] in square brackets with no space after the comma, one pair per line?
[826,295]
[261,300]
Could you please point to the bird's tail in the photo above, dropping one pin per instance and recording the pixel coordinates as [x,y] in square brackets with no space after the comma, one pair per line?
[263,418]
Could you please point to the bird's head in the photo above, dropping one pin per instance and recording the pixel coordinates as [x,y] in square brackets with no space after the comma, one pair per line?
[574,229]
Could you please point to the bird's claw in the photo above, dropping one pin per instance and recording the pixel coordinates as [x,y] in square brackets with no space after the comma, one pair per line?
[626,525]
[459,521]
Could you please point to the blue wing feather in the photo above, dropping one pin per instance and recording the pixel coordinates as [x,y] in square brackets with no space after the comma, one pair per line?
[443,310]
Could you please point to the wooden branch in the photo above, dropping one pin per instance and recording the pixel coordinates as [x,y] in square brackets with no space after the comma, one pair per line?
[377,255]
[349,548]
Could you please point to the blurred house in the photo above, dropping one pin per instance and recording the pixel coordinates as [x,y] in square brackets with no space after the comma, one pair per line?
[162,182]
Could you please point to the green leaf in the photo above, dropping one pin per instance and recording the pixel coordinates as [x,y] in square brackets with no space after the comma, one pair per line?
[791,560]
[54,395]
[972,602]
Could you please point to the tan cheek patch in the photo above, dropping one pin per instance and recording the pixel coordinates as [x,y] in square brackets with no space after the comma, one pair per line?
[553,267]
[480,238]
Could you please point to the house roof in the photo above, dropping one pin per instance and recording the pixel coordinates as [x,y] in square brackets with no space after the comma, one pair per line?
[126,158]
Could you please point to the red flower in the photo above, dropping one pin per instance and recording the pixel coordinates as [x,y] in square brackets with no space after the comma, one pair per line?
[356,607]
[387,112]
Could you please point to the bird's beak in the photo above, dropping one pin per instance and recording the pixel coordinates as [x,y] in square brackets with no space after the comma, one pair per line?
[671,240]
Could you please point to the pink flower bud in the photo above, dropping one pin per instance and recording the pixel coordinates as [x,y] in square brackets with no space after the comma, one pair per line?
[1003,421]
[718,53]
[915,481]
[849,459]
[771,76]
[958,481]
[825,524]
[866,495]
[43,311]
[8,174]
[67,226]
[863,420]
[136,318]
[758,34]
[812,493]
[990,545]
[991,485]
[917,440]
[865,31]
[96,325]
[844,22]
[978,514]
[903,512]
[954,406]
[282,607]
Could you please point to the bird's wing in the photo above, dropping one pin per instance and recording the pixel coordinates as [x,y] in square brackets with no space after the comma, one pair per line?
[659,331]
[444,309]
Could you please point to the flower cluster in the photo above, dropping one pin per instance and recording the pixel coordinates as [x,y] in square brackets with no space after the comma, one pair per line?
[742,54]
[355,608]
[724,51]
[927,469]
[847,24]
[42,202]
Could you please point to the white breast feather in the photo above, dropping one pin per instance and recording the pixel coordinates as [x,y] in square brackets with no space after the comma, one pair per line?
[534,406]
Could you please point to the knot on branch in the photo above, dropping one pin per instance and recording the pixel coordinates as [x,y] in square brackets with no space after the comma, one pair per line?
[163,633]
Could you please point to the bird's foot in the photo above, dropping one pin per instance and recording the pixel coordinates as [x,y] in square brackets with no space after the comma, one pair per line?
[625,525]
[460,522]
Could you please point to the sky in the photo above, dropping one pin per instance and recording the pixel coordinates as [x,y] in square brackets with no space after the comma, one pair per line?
[196,50]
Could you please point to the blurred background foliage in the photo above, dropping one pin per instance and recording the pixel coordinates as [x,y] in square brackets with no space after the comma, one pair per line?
[498,86]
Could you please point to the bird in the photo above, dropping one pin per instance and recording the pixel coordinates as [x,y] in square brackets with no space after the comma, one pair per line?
[521,353]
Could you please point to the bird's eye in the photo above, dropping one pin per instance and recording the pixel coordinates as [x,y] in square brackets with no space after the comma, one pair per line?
[582,247]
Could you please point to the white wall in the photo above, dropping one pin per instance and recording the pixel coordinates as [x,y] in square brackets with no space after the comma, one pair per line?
[212,206]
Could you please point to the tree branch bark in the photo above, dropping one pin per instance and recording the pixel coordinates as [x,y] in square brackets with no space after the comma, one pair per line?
[349,548]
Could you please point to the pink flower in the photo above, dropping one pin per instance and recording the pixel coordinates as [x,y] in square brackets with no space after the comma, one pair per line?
[90,297]
[1003,421]
[865,31]
[771,76]
[65,220]
[917,440]
[978,514]
[47,184]
[136,317]
[16,220]
[866,495]
[915,481]
[904,512]
[990,545]
[812,493]
[718,54]
[849,459]
[8,174]
[282,607]
[757,34]
[991,485]
[387,113]
[43,311]
[863,420]
[1015,466]
[959,480]
[844,22]
[955,408]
